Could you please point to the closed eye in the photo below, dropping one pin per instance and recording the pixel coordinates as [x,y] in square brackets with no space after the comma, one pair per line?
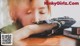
[42,12]
[28,12]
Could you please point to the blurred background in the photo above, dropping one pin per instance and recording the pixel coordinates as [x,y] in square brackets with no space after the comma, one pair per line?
[56,11]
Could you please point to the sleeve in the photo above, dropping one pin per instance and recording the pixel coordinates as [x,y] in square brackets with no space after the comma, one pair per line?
[9,29]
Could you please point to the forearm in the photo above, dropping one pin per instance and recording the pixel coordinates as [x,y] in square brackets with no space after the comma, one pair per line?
[25,32]
[32,29]
[40,28]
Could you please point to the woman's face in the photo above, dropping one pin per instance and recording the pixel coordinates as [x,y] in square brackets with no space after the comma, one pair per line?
[29,12]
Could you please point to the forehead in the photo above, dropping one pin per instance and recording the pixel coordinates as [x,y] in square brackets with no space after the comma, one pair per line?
[38,3]
[32,3]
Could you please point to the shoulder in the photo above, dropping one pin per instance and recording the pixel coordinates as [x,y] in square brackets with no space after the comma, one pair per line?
[10,28]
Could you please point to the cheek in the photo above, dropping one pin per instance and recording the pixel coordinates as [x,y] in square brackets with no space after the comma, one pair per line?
[45,16]
[26,20]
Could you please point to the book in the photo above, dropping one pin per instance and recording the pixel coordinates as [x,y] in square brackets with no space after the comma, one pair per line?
[39,23]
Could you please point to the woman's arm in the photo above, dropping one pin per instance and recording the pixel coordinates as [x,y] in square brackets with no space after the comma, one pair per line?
[25,32]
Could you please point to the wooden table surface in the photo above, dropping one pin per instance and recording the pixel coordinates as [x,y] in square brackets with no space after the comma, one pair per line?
[51,41]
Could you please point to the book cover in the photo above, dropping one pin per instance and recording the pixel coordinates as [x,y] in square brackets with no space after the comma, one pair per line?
[39,23]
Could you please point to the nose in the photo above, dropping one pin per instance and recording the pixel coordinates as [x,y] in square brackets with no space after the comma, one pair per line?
[37,16]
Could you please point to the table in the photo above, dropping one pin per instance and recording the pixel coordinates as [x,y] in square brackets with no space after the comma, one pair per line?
[59,40]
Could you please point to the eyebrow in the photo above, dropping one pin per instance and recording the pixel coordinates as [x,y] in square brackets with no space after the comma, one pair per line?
[42,8]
